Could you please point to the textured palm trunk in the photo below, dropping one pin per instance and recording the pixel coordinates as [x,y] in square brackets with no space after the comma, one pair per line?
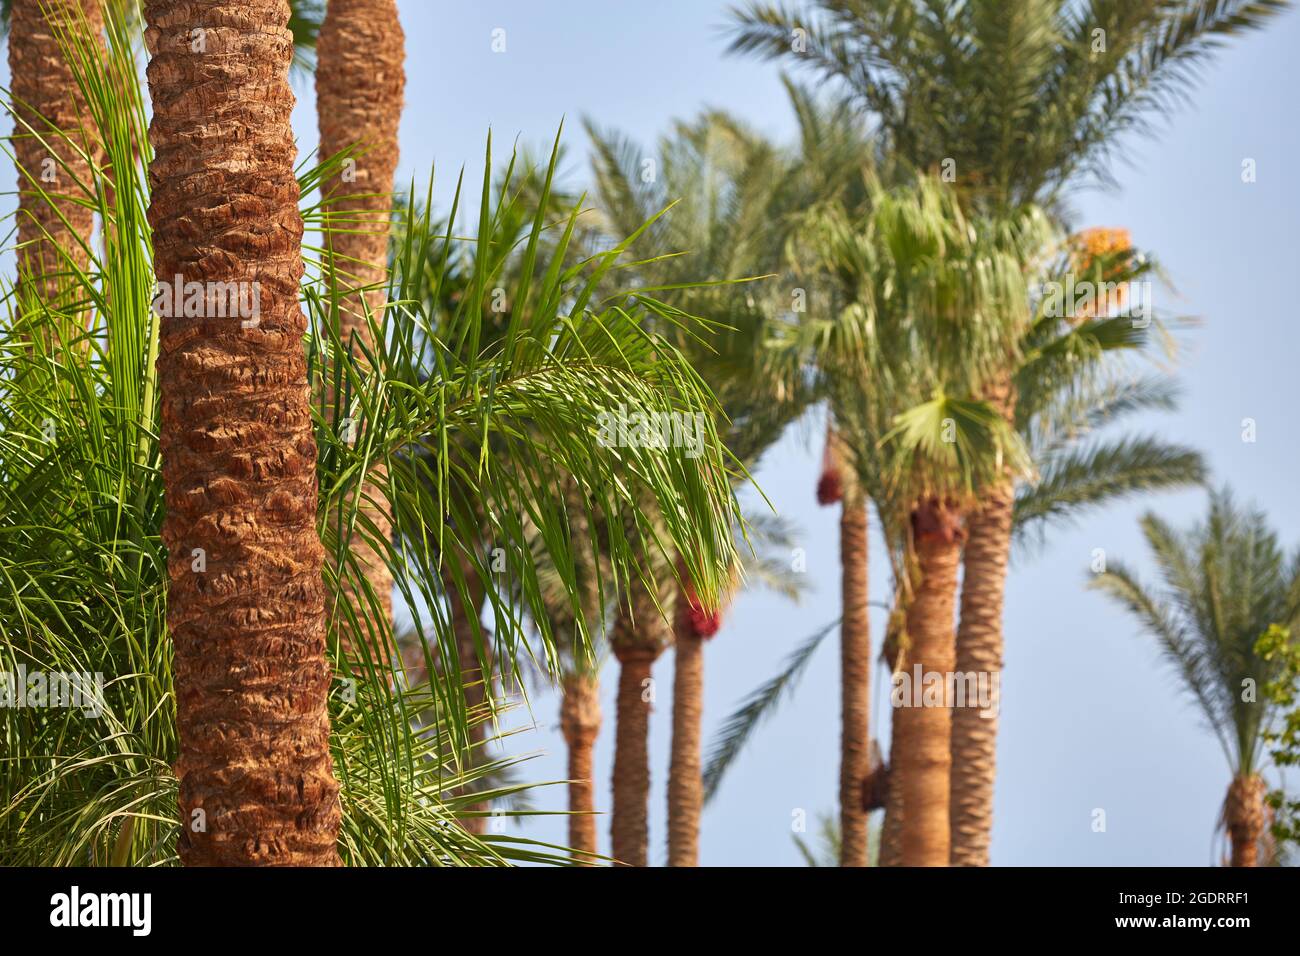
[922,766]
[1243,812]
[55,145]
[855,681]
[580,723]
[247,600]
[360,84]
[979,652]
[639,637]
[891,829]
[685,783]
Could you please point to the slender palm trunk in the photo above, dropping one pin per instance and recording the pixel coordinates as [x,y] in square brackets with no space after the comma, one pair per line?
[855,681]
[246,602]
[924,759]
[979,652]
[1243,812]
[685,783]
[360,83]
[55,147]
[580,723]
[639,637]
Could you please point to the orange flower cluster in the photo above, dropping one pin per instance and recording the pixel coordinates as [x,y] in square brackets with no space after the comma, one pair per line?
[1098,242]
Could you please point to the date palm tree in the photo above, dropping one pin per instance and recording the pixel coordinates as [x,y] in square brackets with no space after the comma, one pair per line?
[1067,80]
[1223,584]
[932,299]
[237,446]
[735,197]
[360,82]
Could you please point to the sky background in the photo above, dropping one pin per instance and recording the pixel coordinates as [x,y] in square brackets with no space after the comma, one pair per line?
[1091,718]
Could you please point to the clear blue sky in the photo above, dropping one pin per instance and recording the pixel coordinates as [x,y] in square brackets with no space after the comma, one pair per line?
[1091,718]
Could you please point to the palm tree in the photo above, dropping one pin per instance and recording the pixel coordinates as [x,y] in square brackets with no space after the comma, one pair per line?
[238,448]
[1224,583]
[734,195]
[359,88]
[1067,79]
[55,151]
[931,299]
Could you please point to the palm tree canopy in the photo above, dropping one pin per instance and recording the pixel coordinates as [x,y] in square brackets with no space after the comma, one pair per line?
[1222,584]
[1020,97]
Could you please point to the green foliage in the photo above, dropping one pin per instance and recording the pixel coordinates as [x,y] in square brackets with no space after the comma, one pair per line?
[1021,97]
[1277,647]
[442,406]
[1223,583]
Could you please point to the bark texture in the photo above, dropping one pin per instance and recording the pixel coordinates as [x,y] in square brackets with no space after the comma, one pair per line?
[855,681]
[580,722]
[257,784]
[54,145]
[685,783]
[360,84]
[923,762]
[979,651]
[1244,813]
[640,635]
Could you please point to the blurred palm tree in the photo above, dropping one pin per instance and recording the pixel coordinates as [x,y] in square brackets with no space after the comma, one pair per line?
[735,197]
[1014,103]
[1223,584]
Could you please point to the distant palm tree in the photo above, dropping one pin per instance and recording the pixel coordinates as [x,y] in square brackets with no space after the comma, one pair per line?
[1015,102]
[933,300]
[736,198]
[1224,583]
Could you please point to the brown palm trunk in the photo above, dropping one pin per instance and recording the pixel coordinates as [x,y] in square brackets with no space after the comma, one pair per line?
[247,611]
[685,783]
[580,723]
[360,83]
[923,762]
[855,681]
[55,144]
[1243,812]
[979,652]
[640,635]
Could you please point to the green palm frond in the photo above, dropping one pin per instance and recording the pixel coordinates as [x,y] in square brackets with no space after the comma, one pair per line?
[473,414]
[739,727]
[1224,583]
[1022,97]
[1087,477]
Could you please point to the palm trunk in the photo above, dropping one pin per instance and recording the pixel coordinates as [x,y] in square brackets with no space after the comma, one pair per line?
[257,784]
[639,637]
[855,681]
[54,146]
[979,652]
[924,759]
[1243,812]
[891,830]
[360,82]
[580,723]
[685,783]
